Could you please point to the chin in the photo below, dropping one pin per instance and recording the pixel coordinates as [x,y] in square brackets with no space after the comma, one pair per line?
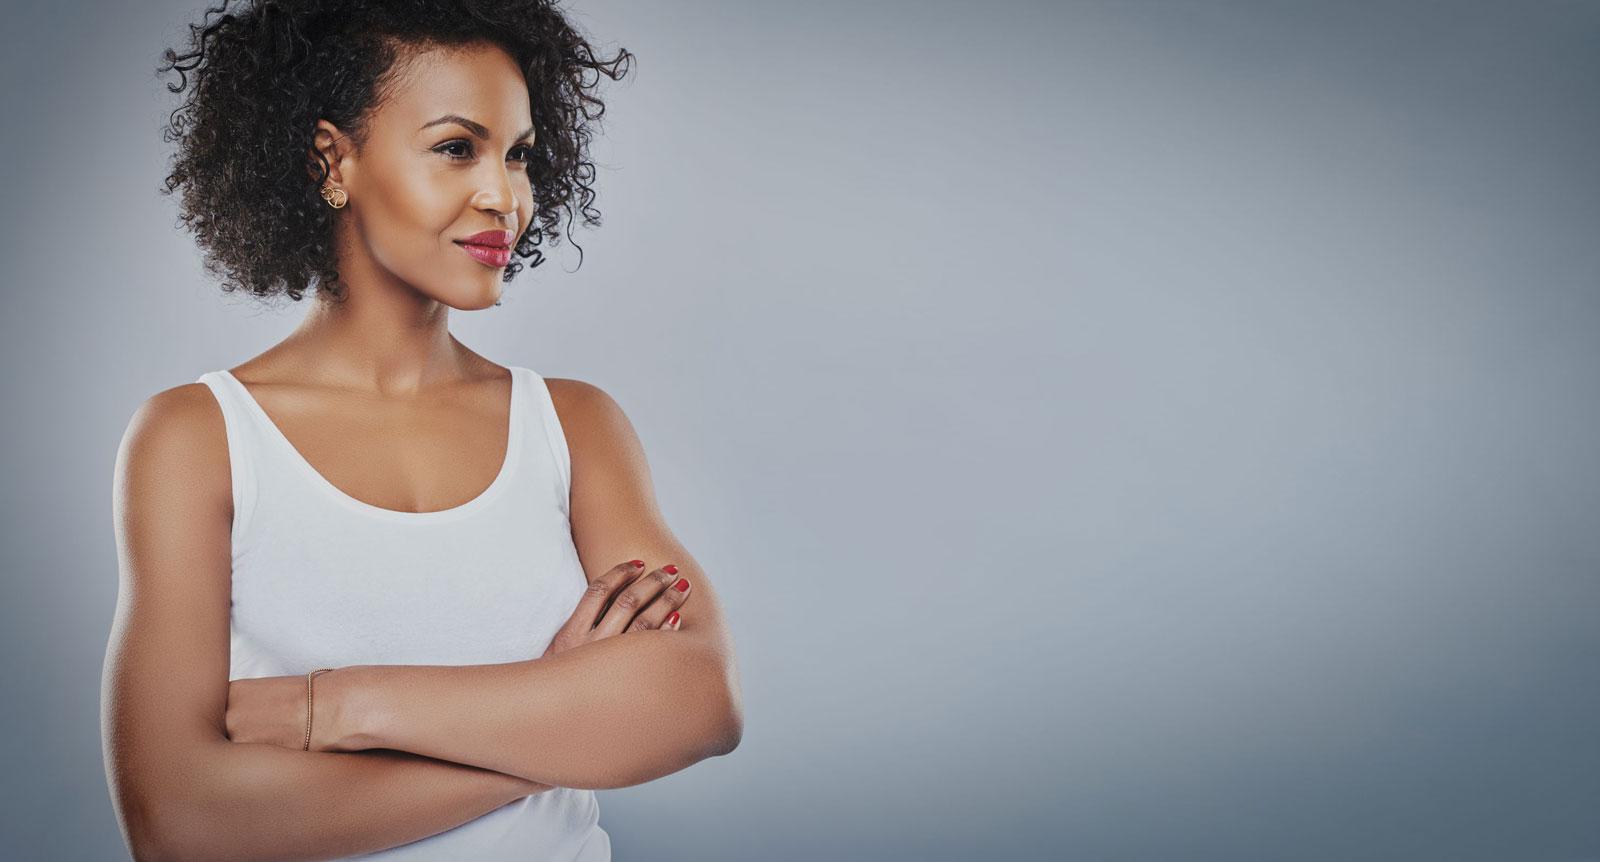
[472,300]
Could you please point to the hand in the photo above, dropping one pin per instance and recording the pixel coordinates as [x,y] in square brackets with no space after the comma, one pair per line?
[637,603]
[272,710]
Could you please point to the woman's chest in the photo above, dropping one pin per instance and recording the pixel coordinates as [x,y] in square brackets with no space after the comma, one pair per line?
[470,593]
[408,455]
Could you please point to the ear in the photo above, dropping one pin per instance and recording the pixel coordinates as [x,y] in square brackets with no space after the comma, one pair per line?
[335,146]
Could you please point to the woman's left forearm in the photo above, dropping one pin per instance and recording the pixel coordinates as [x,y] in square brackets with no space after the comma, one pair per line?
[611,713]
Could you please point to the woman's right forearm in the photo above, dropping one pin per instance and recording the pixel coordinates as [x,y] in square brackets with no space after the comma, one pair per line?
[252,801]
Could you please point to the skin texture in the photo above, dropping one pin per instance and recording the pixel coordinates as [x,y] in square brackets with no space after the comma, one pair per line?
[201,768]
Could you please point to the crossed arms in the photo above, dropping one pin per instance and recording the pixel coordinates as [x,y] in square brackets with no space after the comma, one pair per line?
[447,744]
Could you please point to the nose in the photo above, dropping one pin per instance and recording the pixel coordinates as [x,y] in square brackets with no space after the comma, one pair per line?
[497,194]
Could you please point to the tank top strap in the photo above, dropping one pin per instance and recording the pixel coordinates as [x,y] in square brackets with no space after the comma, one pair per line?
[546,423]
[243,444]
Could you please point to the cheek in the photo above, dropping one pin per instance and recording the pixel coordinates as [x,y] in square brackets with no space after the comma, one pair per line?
[416,201]
[408,225]
[525,211]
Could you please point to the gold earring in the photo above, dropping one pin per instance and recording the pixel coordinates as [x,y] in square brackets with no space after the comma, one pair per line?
[336,198]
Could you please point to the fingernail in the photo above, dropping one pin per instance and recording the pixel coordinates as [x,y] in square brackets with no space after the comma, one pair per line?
[672,618]
[682,585]
[636,563]
[670,569]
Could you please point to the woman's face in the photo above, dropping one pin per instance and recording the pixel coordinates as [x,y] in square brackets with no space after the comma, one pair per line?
[446,159]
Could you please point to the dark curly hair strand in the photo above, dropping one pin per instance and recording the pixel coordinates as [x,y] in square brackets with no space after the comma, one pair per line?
[261,76]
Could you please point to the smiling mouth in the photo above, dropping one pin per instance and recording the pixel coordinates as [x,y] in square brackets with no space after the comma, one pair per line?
[488,255]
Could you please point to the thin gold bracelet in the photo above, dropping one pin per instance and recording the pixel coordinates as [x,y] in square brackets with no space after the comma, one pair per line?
[310,676]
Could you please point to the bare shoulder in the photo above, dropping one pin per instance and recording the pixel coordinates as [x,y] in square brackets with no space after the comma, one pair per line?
[589,415]
[610,473]
[176,438]
[183,419]
[577,396]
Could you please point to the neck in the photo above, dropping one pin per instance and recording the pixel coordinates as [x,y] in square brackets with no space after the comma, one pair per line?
[395,343]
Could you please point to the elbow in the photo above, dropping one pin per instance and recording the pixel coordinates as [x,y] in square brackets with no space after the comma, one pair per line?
[169,822]
[170,794]
[733,733]
[152,852]
[149,843]
[718,710]
[168,841]
[140,820]
[730,708]
[719,727]
[142,847]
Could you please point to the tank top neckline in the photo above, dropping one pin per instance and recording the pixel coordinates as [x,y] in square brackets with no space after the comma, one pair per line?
[508,463]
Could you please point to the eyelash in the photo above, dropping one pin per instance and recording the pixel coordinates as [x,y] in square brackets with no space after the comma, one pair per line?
[468,144]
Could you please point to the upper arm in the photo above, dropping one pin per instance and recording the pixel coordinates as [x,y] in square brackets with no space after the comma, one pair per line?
[615,516]
[165,687]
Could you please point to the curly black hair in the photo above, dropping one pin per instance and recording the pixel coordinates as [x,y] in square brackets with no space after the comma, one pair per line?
[260,77]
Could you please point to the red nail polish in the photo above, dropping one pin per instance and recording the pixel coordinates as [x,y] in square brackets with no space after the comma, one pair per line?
[682,585]
[672,618]
[670,569]
[636,563]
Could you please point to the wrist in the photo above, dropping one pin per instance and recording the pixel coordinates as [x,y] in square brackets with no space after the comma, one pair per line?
[341,712]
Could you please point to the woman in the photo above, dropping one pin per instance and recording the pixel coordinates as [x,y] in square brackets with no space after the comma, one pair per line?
[371,582]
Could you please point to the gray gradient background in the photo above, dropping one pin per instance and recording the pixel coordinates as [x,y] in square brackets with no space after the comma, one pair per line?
[1119,430]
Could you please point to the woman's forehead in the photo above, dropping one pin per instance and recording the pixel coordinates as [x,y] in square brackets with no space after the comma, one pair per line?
[481,84]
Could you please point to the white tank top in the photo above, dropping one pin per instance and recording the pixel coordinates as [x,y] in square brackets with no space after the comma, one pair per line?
[321,579]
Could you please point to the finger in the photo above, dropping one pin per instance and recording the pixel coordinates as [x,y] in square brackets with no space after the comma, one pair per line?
[594,600]
[635,598]
[666,604]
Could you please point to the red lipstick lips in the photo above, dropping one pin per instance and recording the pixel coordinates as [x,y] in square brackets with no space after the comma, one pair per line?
[500,238]
[489,247]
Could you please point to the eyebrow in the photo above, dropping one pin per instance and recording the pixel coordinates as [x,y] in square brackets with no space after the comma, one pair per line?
[478,130]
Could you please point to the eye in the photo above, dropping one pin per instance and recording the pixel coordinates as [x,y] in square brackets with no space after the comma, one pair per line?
[450,147]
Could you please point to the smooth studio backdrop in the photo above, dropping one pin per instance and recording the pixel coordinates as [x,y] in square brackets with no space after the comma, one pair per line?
[1138,430]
